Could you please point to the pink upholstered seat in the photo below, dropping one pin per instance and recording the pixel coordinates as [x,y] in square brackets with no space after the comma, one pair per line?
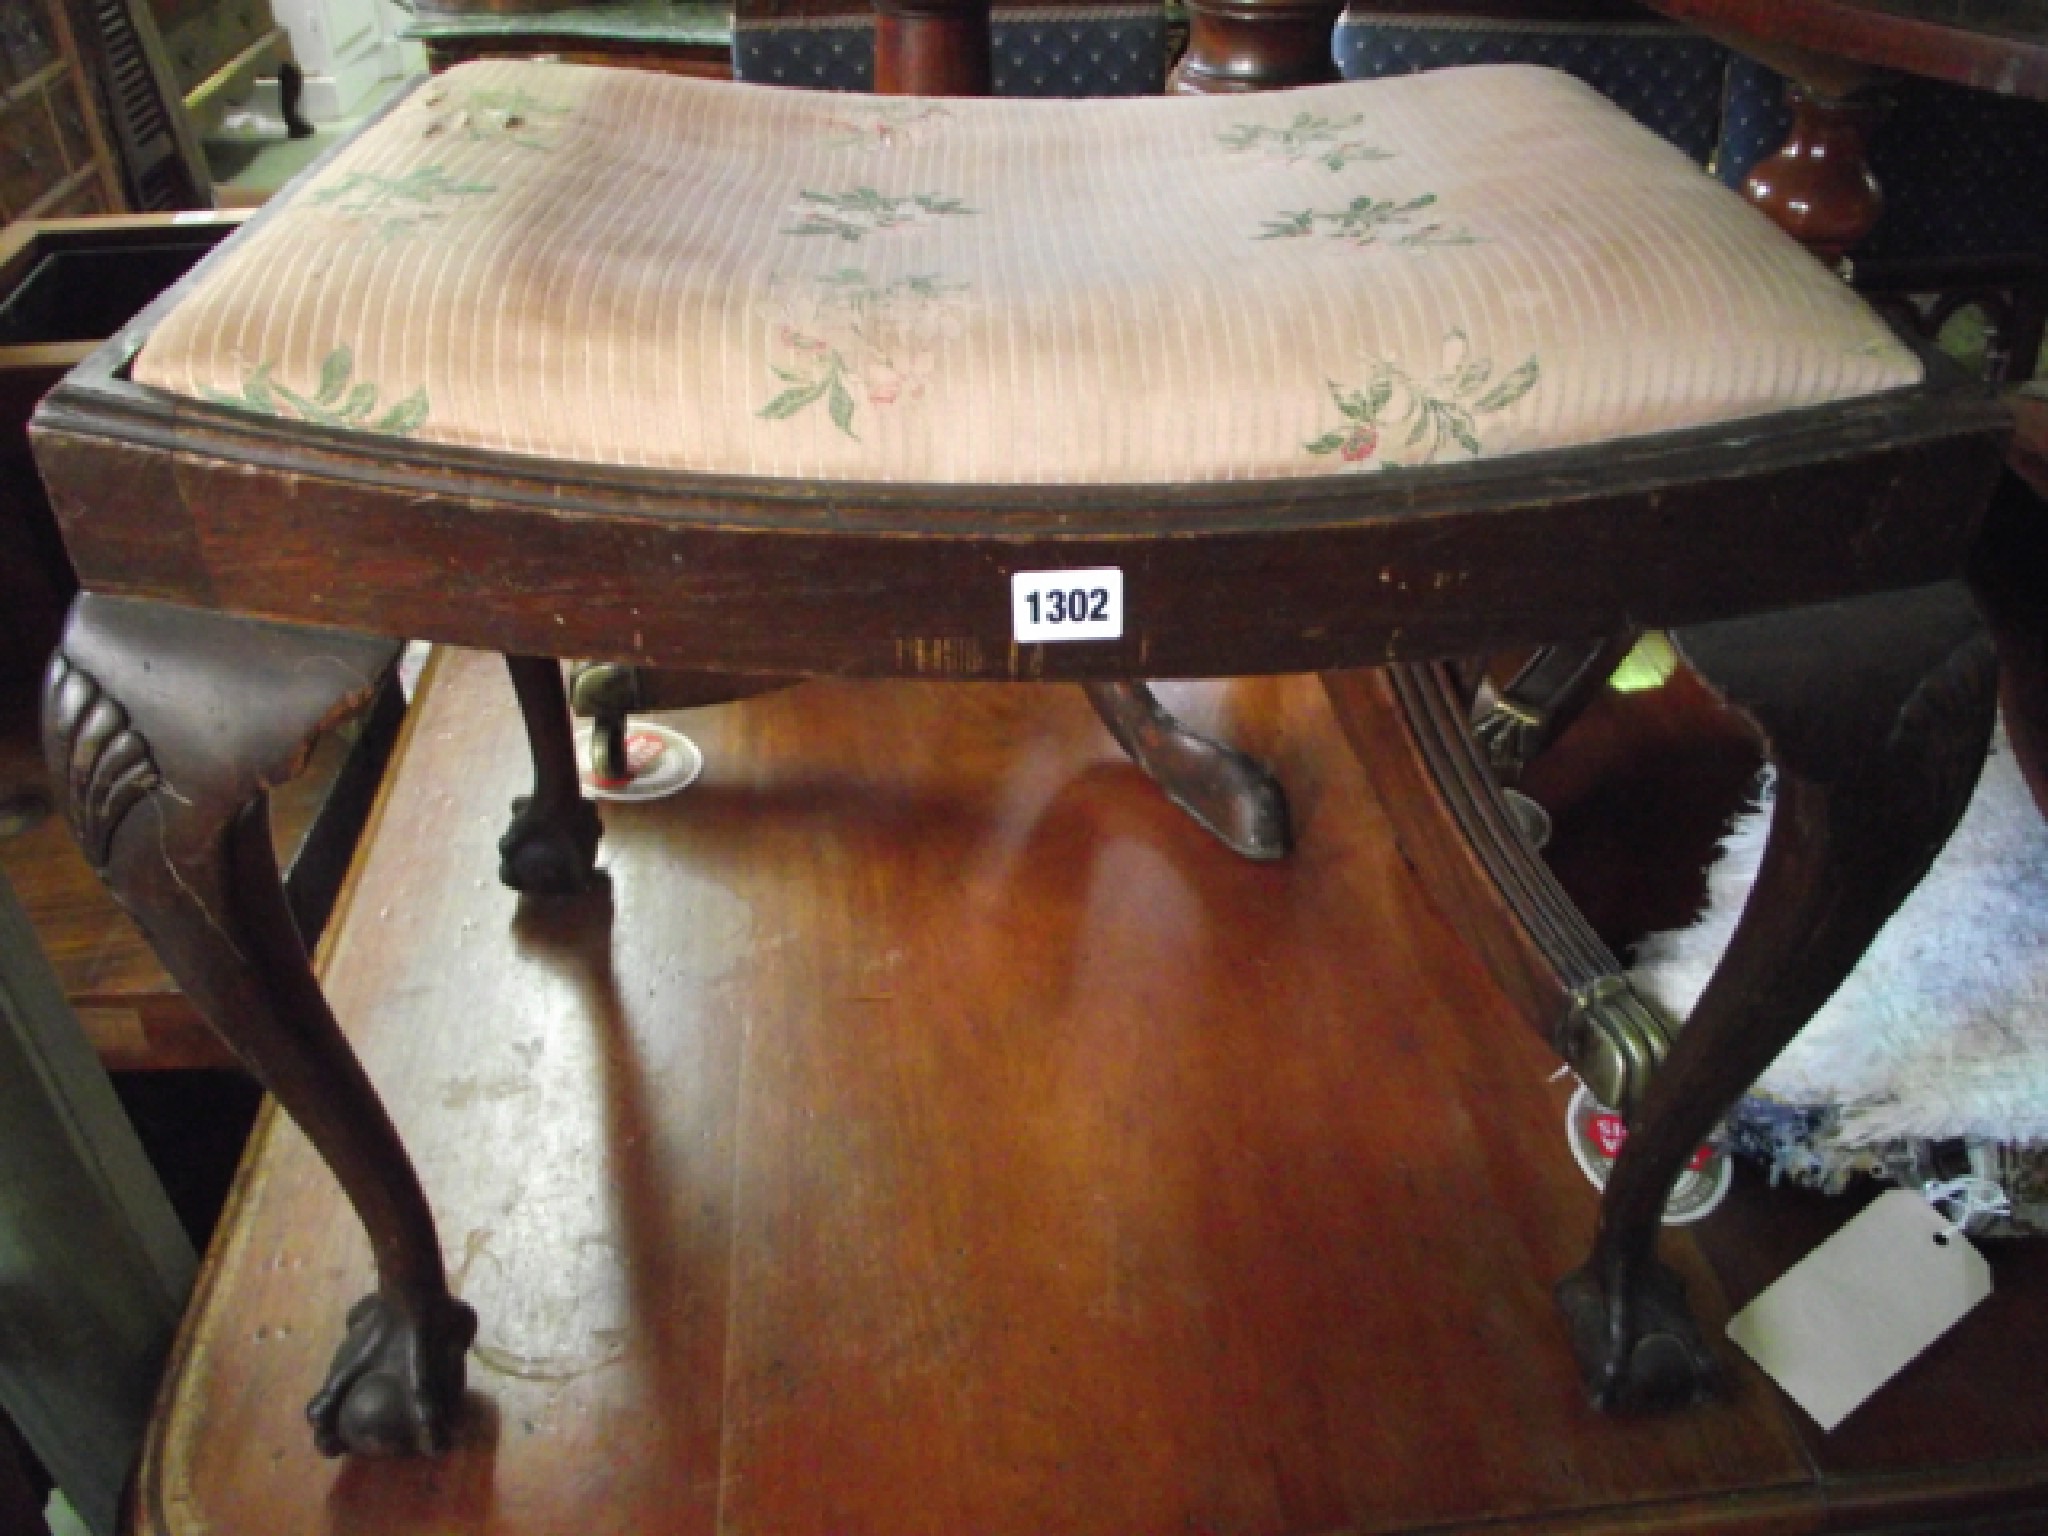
[638,269]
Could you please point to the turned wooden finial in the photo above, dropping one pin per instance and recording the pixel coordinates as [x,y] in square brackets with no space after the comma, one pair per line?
[1818,187]
[1257,45]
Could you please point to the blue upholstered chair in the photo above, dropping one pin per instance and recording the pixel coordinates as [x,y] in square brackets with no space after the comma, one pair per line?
[1089,49]
[1965,223]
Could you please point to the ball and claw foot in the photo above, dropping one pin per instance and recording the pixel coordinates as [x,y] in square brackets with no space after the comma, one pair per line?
[1641,1352]
[550,852]
[396,1382]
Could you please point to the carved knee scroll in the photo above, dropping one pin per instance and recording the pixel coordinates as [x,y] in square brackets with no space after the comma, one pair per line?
[165,729]
[106,766]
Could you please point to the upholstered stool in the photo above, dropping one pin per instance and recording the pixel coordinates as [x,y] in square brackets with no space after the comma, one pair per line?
[755,382]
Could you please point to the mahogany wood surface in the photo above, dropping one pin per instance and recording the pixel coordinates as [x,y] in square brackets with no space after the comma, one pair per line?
[191,503]
[934,1131]
[255,517]
[932,48]
[1993,45]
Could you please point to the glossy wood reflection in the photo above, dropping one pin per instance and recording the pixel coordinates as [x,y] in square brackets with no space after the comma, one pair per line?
[935,1132]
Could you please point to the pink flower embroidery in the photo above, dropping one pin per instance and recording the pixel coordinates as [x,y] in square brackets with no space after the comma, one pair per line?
[883,382]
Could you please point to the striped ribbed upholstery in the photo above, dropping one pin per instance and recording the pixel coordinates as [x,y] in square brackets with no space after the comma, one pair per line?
[640,269]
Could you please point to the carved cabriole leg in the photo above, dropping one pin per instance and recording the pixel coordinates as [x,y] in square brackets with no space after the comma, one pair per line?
[165,729]
[1230,793]
[1877,715]
[551,847]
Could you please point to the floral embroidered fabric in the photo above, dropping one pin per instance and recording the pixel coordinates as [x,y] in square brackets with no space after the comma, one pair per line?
[639,269]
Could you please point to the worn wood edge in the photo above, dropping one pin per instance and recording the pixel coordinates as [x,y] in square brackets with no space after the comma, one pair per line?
[1881,36]
[96,402]
[1904,1500]
[550,581]
[1366,592]
[1772,1509]
[55,357]
[166,1449]
[118,226]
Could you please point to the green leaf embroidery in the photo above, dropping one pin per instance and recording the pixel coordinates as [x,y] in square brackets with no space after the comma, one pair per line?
[853,216]
[1327,141]
[406,417]
[1509,389]
[790,401]
[840,404]
[399,205]
[1437,413]
[1289,226]
[257,389]
[332,403]
[852,342]
[334,375]
[1366,221]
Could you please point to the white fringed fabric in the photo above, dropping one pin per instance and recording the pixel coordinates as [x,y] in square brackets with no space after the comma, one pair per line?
[1941,1032]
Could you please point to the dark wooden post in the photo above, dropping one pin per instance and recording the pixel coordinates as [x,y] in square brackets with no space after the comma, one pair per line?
[1818,187]
[1257,45]
[932,47]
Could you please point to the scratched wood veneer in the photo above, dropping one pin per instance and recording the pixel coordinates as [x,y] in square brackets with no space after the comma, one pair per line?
[935,1132]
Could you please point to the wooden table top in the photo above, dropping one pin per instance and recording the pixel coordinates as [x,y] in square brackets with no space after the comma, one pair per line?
[1993,45]
[938,1133]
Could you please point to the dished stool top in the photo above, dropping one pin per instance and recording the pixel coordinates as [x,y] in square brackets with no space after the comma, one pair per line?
[636,269]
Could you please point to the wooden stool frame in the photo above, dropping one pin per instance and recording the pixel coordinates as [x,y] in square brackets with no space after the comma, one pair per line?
[247,580]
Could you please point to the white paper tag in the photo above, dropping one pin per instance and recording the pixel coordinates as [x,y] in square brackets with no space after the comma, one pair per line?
[1067,605]
[1850,1315]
